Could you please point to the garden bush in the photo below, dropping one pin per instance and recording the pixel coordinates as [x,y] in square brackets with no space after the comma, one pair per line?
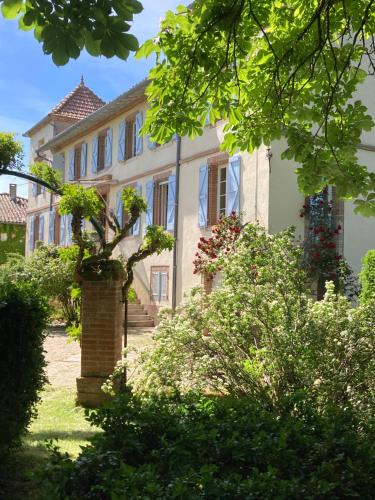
[192,447]
[51,269]
[23,318]
[367,278]
[265,335]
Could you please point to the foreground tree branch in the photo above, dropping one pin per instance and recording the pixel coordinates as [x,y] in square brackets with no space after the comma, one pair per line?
[271,69]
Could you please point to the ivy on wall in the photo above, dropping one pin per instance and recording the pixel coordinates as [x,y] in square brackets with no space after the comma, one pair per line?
[13,242]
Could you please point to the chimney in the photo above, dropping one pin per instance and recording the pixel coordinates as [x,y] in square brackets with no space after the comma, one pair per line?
[13,192]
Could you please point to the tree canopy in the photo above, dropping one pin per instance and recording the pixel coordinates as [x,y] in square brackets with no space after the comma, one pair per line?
[271,69]
[66,28]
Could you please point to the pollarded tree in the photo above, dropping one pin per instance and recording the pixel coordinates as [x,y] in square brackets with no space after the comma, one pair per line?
[272,69]
[66,28]
[83,204]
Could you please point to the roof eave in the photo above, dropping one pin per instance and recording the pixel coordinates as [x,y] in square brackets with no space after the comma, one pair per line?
[113,108]
[13,222]
[38,126]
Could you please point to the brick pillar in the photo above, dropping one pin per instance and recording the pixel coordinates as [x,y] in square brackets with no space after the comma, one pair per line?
[101,342]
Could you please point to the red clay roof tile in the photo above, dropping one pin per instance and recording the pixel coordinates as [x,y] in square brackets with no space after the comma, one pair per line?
[80,103]
[12,211]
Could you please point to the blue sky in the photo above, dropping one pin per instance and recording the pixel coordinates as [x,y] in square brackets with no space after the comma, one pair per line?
[31,85]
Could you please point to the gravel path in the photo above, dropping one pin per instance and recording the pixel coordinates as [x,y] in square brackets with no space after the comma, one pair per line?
[64,358]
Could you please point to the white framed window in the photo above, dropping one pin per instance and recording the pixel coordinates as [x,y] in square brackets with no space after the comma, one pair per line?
[3,237]
[222,191]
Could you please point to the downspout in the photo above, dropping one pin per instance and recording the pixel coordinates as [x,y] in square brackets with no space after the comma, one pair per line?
[175,228]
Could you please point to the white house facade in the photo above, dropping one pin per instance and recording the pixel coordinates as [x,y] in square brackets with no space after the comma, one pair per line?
[104,149]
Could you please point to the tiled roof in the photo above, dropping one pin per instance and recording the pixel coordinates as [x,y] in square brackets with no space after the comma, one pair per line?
[12,211]
[80,103]
[125,101]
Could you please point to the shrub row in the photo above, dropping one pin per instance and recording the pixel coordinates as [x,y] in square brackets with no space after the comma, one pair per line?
[23,318]
[195,447]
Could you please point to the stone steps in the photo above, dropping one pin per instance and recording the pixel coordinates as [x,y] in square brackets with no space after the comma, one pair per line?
[136,309]
[138,317]
[141,323]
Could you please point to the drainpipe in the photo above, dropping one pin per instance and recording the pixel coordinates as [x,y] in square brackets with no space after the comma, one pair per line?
[175,228]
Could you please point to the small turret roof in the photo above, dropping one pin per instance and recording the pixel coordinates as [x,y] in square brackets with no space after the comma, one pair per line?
[80,103]
[75,106]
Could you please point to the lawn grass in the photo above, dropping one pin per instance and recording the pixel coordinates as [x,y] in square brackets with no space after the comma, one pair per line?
[58,418]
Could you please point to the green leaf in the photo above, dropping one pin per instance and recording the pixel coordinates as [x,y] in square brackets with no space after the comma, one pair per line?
[11,8]
[60,55]
[108,47]
[72,48]
[92,46]
[130,41]
[135,6]
[146,49]
[265,58]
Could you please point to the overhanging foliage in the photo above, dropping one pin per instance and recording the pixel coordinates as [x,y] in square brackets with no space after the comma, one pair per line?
[66,28]
[272,69]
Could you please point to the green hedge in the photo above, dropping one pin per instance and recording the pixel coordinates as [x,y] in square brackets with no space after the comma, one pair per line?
[367,277]
[195,447]
[23,318]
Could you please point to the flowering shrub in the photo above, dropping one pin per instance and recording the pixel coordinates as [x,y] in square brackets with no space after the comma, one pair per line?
[367,277]
[212,251]
[268,339]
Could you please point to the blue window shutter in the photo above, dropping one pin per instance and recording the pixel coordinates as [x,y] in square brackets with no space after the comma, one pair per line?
[84,160]
[62,230]
[31,232]
[41,228]
[151,144]
[233,186]
[108,148]
[121,140]
[138,137]
[137,225]
[69,229]
[51,226]
[119,207]
[171,202]
[94,155]
[150,202]
[34,188]
[203,196]
[71,165]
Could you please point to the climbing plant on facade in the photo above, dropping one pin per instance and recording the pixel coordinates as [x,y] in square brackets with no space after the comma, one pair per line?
[323,260]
